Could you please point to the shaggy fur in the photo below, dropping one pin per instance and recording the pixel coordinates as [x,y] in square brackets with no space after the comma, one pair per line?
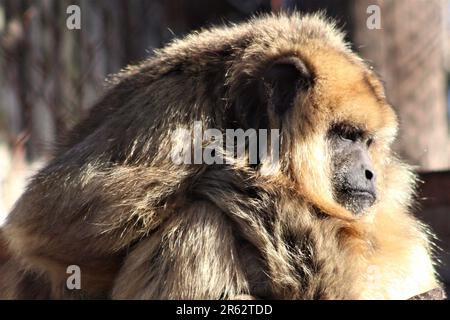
[113,202]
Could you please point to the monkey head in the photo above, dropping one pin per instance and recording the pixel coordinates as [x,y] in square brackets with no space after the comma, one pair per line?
[335,124]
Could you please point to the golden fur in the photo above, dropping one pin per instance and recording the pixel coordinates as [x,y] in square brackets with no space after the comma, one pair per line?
[139,226]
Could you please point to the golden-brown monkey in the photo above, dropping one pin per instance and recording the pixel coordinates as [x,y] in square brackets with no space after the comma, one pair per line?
[329,220]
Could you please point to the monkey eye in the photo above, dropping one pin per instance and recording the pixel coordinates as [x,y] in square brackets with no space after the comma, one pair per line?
[369,142]
[348,133]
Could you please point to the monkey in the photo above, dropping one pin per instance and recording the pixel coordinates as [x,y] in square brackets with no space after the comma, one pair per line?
[331,219]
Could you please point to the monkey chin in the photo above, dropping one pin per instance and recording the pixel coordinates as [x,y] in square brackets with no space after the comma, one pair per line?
[356,201]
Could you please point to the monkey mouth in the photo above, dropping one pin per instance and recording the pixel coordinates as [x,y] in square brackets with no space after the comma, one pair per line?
[356,200]
[362,193]
[361,199]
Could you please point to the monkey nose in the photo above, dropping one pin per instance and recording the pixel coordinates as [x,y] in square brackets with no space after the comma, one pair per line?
[369,174]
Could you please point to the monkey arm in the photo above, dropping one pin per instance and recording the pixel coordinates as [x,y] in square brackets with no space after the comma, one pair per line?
[86,216]
[192,256]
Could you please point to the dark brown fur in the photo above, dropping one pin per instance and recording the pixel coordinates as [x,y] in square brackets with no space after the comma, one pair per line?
[140,226]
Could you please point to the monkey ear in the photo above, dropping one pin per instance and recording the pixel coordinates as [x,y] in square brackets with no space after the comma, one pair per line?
[283,80]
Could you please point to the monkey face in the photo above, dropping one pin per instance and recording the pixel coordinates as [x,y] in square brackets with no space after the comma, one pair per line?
[353,175]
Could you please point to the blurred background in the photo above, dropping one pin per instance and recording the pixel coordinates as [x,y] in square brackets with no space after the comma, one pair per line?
[50,75]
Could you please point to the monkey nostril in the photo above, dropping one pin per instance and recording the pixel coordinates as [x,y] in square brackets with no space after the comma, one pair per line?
[369,175]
